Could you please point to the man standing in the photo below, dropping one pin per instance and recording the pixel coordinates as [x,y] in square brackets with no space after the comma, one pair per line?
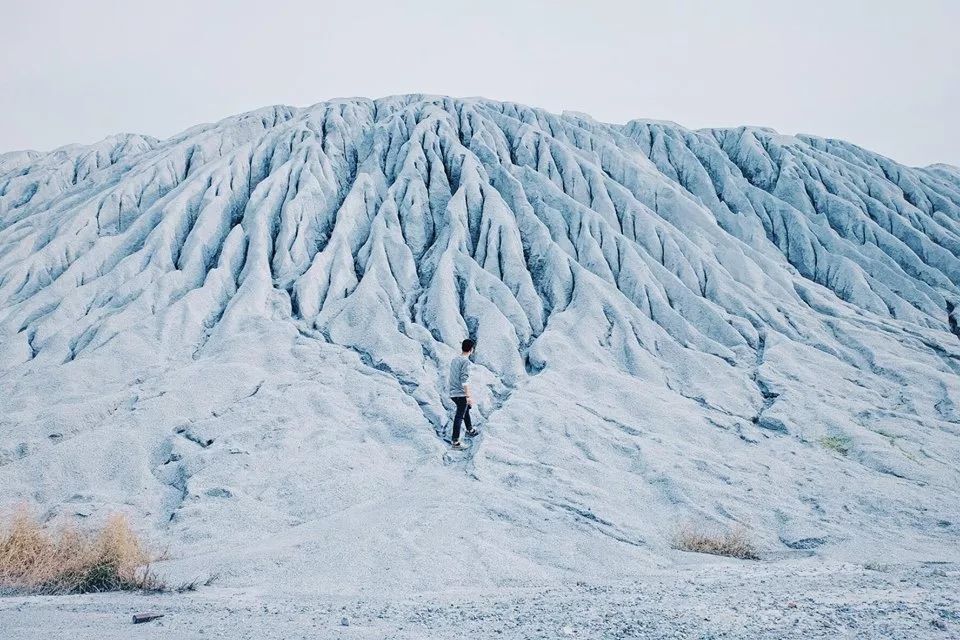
[460,392]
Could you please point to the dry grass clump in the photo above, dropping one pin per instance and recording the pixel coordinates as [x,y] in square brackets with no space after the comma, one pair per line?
[69,560]
[734,543]
[840,444]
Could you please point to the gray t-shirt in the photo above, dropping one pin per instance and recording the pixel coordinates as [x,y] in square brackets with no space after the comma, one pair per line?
[459,376]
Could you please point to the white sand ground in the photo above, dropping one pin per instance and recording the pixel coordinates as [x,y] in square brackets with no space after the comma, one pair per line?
[720,600]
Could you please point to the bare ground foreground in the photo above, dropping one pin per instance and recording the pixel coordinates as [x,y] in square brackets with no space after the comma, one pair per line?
[737,600]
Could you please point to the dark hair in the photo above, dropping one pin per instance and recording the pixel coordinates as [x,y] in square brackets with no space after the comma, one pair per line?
[467,345]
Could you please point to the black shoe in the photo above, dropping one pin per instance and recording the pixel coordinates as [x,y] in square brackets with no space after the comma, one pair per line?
[458,445]
[472,432]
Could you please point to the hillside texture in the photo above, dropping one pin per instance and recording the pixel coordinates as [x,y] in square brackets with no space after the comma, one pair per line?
[240,335]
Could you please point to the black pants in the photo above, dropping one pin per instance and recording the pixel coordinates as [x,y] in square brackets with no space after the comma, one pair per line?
[462,415]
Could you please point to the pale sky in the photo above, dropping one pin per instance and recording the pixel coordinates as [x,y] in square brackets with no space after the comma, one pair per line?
[882,74]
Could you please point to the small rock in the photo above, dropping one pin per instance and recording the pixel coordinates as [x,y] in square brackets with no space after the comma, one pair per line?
[344,621]
[140,618]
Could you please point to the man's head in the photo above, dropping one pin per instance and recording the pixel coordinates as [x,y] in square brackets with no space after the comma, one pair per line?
[467,345]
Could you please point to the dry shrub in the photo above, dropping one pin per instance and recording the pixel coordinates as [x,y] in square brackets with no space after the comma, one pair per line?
[734,543]
[71,560]
[840,444]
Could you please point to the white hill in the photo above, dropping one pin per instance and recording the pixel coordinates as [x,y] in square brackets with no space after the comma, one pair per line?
[240,335]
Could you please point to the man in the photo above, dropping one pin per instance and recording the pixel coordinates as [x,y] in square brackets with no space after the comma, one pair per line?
[460,392]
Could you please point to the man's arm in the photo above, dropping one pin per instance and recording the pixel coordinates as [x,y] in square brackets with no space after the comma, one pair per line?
[464,379]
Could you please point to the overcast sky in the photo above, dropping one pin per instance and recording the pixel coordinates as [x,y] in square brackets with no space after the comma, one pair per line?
[883,74]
